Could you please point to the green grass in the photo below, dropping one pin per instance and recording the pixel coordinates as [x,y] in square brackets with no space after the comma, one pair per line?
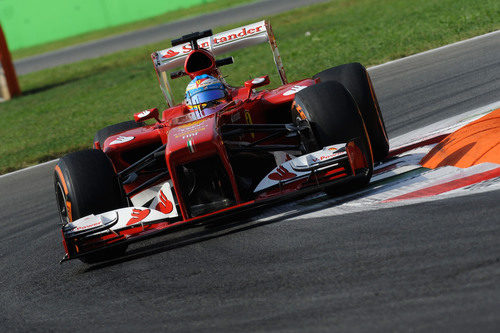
[212,6]
[63,107]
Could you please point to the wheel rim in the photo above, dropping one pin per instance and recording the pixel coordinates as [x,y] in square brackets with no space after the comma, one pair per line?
[61,204]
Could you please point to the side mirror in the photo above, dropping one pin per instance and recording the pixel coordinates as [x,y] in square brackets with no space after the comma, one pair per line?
[255,83]
[147,114]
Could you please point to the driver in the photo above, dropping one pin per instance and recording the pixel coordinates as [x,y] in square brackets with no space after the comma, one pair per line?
[204,91]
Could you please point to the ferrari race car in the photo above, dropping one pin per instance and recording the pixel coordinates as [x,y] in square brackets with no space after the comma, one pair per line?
[201,160]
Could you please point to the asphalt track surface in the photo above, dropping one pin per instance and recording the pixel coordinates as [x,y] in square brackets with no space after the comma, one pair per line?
[427,266]
[94,49]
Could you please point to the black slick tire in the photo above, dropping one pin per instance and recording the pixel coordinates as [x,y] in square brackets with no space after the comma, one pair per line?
[333,117]
[86,183]
[356,79]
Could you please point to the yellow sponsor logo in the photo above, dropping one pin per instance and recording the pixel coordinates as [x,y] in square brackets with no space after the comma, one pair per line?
[248,118]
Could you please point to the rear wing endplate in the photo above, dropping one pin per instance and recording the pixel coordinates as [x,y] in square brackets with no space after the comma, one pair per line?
[231,40]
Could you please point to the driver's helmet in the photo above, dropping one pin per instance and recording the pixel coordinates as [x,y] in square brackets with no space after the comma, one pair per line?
[204,91]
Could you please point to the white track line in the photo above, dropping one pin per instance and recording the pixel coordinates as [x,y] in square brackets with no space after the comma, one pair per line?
[436,49]
[27,168]
[370,68]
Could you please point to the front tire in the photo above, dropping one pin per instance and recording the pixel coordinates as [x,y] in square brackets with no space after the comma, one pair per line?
[86,183]
[357,81]
[332,115]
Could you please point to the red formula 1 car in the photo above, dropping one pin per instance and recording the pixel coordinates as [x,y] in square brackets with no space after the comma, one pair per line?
[222,150]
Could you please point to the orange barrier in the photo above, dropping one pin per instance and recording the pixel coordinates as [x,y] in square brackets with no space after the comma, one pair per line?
[475,143]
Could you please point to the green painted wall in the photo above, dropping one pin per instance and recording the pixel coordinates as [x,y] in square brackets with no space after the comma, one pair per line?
[32,22]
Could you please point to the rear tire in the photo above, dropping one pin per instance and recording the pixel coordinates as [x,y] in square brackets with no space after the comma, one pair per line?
[108,131]
[357,80]
[333,117]
[86,183]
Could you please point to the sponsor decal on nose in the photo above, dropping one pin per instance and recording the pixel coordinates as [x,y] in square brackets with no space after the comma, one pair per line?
[138,215]
[281,173]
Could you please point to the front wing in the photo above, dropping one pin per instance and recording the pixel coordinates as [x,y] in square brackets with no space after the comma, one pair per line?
[296,175]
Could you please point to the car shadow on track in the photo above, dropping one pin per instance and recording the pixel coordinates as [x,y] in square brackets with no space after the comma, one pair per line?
[240,222]
[208,232]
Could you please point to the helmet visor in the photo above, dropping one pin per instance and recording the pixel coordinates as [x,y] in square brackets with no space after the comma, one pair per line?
[205,96]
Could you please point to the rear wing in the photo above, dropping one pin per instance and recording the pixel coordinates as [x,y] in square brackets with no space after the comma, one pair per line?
[231,40]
